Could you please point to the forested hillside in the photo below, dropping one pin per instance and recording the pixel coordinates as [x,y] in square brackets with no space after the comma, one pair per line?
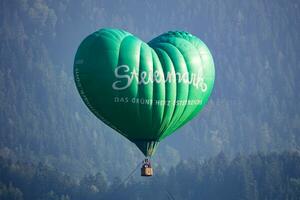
[274,176]
[254,107]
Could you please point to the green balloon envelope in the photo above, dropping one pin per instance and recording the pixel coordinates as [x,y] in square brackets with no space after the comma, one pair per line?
[145,91]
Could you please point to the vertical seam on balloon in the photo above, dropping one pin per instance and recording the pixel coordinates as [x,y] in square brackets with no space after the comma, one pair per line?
[138,91]
[165,88]
[175,122]
[198,108]
[160,85]
[119,52]
[136,106]
[152,94]
[120,48]
[174,110]
[139,75]
[165,107]
[189,88]
[201,59]
[153,110]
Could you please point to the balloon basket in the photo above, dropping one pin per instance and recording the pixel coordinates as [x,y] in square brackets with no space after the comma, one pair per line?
[146,169]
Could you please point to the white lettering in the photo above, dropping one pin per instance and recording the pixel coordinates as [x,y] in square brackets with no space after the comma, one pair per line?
[125,78]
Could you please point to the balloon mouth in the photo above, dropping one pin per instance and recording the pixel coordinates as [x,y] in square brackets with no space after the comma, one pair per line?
[147,147]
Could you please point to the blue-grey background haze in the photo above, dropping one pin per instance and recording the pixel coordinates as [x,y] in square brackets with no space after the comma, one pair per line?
[254,107]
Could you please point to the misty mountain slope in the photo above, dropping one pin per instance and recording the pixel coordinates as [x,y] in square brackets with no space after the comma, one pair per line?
[254,105]
[258,176]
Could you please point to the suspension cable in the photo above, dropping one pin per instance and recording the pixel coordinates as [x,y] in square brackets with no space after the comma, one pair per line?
[129,175]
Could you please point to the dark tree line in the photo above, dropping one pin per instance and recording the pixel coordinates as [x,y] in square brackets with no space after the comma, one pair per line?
[266,177]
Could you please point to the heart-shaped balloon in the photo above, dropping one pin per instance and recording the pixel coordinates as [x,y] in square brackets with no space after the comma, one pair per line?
[145,91]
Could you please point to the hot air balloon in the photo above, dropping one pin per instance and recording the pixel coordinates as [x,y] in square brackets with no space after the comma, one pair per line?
[144,91]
